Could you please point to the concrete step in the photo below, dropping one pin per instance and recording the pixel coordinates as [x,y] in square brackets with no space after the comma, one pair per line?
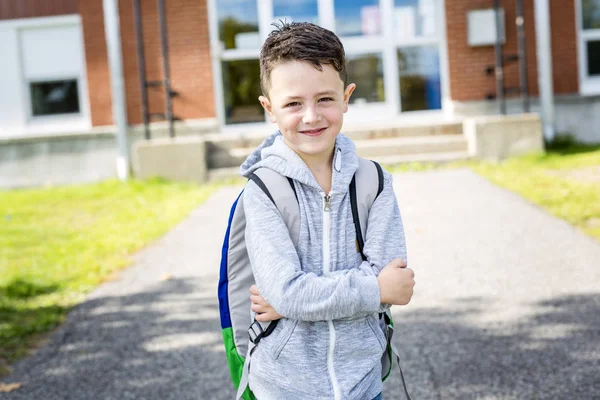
[373,131]
[411,145]
[223,173]
[386,131]
[228,158]
[425,158]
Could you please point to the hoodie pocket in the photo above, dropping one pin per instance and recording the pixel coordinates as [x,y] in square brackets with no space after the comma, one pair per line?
[283,337]
[373,321]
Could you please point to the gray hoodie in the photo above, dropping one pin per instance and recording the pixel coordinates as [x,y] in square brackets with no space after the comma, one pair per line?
[329,344]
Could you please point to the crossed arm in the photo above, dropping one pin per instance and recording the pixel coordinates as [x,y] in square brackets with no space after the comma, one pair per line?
[280,282]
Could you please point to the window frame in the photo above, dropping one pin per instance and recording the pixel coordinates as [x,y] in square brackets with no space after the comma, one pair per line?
[48,123]
[384,43]
[588,85]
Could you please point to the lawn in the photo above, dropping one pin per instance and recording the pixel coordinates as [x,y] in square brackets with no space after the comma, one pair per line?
[564,181]
[56,244]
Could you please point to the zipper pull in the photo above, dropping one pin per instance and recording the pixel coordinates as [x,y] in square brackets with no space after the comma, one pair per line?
[327,206]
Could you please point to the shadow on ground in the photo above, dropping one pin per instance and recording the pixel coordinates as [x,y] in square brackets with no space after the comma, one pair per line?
[162,343]
[165,343]
[555,354]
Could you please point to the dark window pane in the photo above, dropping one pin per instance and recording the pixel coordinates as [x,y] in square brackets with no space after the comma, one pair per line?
[57,97]
[241,88]
[590,13]
[366,71]
[238,23]
[357,17]
[419,70]
[298,10]
[593,55]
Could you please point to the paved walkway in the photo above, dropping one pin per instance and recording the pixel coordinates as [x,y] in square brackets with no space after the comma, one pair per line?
[507,306]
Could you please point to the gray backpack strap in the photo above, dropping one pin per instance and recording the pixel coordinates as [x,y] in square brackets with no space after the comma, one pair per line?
[366,185]
[281,191]
[397,355]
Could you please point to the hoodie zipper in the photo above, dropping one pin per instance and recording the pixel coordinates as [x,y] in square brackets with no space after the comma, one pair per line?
[326,270]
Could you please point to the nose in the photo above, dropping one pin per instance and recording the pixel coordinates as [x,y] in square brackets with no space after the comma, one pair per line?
[311,115]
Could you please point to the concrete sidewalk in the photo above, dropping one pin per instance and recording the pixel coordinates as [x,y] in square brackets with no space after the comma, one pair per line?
[507,306]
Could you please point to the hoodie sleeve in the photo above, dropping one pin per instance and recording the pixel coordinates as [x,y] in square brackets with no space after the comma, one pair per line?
[385,239]
[293,293]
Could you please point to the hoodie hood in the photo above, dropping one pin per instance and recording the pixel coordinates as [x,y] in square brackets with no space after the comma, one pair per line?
[274,154]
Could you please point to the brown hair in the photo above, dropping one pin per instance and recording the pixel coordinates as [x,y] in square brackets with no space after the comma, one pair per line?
[301,41]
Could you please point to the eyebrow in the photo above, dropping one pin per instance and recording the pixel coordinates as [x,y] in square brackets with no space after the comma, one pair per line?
[325,93]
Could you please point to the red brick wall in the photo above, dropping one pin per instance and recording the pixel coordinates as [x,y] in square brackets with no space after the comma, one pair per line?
[11,9]
[96,57]
[563,25]
[467,64]
[189,54]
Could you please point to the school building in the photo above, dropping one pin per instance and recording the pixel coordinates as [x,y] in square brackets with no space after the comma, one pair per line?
[421,60]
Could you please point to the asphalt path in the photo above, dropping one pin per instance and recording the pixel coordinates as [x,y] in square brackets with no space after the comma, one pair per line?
[507,306]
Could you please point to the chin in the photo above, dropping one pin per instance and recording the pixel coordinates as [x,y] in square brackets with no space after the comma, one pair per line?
[316,148]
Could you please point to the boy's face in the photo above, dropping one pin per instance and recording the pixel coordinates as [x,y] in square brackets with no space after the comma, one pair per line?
[308,106]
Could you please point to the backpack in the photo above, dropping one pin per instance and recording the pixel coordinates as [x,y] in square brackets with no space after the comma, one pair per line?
[241,335]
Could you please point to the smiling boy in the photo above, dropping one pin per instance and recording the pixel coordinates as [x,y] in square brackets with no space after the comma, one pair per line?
[328,343]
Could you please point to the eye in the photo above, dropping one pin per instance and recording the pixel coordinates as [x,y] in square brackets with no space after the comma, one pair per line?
[326,99]
[292,104]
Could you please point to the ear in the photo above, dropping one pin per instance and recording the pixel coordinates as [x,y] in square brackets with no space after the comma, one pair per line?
[347,94]
[266,104]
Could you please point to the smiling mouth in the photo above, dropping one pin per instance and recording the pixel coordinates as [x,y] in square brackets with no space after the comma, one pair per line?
[313,132]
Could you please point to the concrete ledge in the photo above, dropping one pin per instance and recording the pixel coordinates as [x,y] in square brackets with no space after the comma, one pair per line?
[207,126]
[574,114]
[180,159]
[57,161]
[495,138]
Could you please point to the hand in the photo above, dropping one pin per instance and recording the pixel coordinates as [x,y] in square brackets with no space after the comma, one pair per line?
[396,283]
[264,311]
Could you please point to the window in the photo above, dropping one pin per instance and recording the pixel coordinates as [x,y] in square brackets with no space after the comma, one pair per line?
[238,24]
[590,10]
[238,31]
[366,71]
[241,88]
[414,18]
[393,50]
[52,73]
[589,45]
[56,97]
[593,55]
[419,71]
[298,10]
[357,17]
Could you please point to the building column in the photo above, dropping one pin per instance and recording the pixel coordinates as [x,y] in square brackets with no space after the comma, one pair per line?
[115,63]
[544,61]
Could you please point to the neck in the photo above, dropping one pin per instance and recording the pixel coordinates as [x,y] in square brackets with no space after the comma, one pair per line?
[321,168]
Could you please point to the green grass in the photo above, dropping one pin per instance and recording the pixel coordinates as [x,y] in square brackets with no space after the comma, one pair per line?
[58,243]
[562,181]
[565,182]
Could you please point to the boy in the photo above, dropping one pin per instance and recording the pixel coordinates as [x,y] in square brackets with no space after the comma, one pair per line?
[328,342]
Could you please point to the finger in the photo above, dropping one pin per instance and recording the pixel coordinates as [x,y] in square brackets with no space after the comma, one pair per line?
[266,317]
[254,290]
[398,262]
[262,317]
[256,299]
[257,308]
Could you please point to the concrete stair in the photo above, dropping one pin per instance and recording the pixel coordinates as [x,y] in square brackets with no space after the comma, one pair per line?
[433,143]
